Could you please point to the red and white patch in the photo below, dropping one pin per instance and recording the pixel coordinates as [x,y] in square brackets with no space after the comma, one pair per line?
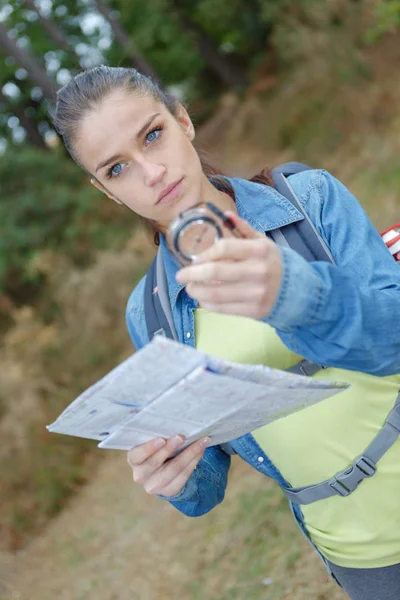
[391,237]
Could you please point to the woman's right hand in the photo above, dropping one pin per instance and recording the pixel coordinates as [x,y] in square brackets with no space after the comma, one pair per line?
[154,468]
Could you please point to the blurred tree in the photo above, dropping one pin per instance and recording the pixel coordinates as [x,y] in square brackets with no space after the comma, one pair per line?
[52,28]
[229,74]
[36,73]
[204,45]
[126,41]
[162,39]
[237,27]
[47,42]
[21,112]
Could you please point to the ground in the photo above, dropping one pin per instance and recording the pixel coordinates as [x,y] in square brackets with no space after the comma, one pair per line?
[115,542]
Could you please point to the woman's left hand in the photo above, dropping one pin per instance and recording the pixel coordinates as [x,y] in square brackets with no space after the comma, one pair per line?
[237,276]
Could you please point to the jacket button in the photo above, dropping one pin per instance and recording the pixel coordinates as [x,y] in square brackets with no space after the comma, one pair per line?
[260,459]
[188,335]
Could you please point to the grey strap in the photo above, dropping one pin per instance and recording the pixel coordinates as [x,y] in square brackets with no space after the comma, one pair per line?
[345,482]
[163,293]
[318,246]
[283,186]
[291,168]
[305,367]
[279,238]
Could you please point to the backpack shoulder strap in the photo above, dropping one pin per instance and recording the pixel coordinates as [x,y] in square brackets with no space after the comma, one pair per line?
[157,308]
[301,236]
[162,290]
[291,168]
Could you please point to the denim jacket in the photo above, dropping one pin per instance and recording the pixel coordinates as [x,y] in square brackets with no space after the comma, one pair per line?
[345,315]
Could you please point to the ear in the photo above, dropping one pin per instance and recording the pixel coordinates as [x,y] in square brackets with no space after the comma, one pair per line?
[101,188]
[185,122]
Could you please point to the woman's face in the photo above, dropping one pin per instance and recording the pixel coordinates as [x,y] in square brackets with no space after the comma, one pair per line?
[142,155]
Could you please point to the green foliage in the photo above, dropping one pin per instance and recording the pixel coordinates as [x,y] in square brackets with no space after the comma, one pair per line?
[387,19]
[157,33]
[47,203]
[172,36]
[302,28]
[236,27]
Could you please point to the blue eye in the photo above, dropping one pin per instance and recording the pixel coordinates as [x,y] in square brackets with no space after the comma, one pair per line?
[153,135]
[116,169]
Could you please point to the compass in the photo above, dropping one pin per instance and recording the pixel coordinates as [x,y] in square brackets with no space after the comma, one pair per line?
[196,229]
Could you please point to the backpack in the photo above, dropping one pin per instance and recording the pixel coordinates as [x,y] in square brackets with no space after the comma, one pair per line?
[303,237]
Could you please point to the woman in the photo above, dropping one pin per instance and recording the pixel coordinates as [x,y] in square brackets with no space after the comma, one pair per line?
[249,300]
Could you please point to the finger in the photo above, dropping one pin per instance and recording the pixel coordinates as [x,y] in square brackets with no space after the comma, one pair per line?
[249,270]
[146,469]
[178,468]
[176,486]
[143,471]
[227,249]
[139,454]
[170,480]
[225,292]
[243,227]
[231,249]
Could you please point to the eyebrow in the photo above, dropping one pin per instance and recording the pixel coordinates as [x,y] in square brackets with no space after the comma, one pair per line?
[138,135]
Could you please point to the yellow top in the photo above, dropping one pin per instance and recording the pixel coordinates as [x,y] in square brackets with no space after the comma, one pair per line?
[361,530]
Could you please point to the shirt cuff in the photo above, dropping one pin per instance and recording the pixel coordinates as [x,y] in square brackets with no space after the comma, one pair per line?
[300,296]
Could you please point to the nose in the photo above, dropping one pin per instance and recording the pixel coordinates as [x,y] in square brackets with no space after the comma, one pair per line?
[153,172]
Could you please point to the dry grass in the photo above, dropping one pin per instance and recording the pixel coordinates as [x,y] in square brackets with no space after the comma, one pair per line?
[115,542]
[42,368]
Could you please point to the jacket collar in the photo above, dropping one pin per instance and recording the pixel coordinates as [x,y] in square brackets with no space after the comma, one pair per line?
[260,205]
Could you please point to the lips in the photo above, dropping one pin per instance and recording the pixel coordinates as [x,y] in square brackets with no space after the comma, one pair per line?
[167,191]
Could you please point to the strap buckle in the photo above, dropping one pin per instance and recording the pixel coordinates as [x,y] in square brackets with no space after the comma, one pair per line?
[366,466]
[345,482]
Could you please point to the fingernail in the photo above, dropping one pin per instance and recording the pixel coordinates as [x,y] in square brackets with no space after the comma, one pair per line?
[177,441]
[197,259]
[159,443]
[205,442]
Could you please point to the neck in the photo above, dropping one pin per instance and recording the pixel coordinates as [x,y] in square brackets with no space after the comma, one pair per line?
[221,199]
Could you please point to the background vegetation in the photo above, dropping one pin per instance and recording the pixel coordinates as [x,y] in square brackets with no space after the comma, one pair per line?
[265,82]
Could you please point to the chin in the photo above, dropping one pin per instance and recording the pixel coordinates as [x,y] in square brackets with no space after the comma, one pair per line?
[187,198]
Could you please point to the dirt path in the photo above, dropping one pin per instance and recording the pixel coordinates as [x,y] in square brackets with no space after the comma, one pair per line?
[115,542]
